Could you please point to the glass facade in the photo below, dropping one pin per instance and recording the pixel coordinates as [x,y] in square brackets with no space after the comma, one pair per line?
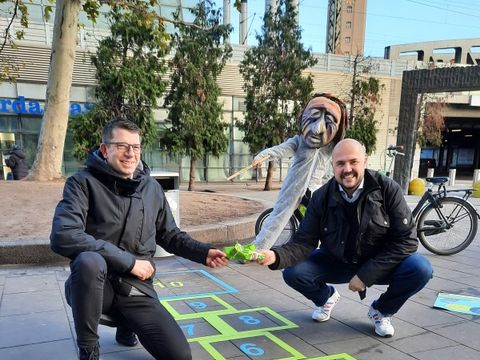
[21,130]
[210,168]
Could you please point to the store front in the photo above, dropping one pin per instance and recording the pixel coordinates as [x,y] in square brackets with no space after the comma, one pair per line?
[20,124]
[21,119]
[460,150]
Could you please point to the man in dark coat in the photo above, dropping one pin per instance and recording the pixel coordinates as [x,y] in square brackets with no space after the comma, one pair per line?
[111,217]
[367,236]
[17,163]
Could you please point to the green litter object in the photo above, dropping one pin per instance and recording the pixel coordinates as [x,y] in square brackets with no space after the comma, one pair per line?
[243,252]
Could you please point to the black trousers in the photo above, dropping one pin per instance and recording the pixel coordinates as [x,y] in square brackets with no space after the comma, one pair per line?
[90,293]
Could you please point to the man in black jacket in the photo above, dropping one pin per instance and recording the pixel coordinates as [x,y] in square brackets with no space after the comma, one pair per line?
[18,163]
[367,236]
[111,217]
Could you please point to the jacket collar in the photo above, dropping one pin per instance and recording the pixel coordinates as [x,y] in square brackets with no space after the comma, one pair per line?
[97,165]
[370,187]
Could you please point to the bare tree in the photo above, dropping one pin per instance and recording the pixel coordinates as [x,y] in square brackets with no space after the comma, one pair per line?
[48,162]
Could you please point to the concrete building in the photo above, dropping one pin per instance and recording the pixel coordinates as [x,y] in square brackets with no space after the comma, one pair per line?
[463,51]
[346,27]
[460,148]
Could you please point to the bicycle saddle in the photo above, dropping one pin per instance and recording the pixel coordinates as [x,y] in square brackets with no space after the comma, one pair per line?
[437,179]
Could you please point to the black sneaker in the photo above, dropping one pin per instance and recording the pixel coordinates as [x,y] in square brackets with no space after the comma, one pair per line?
[126,337]
[89,353]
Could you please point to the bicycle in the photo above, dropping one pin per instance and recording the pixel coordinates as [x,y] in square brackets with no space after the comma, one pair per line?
[392,151]
[293,223]
[446,224]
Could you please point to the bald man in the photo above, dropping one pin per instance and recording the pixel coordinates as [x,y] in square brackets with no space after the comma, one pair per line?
[367,236]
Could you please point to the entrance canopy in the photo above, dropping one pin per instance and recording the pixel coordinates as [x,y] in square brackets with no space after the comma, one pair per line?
[415,82]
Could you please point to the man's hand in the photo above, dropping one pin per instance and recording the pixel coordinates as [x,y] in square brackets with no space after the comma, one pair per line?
[356,284]
[216,258]
[269,259]
[142,269]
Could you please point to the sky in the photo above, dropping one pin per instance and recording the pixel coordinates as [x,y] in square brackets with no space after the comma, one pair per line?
[389,22]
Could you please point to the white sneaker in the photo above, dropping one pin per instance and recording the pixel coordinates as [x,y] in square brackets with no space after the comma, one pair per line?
[322,313]
[383,324]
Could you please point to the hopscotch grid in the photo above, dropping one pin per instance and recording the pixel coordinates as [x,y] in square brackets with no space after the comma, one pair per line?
[227,333]
[227,289]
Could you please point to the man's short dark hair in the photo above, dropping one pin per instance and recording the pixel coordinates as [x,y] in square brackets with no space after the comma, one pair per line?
[107,132]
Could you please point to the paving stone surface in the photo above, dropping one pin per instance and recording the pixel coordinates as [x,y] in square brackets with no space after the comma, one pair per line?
[35,321]
[247,312]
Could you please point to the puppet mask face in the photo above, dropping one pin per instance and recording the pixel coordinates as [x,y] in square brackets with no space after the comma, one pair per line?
[320,122]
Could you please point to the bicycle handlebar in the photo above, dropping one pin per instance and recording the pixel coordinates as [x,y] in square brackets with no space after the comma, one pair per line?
[392,150]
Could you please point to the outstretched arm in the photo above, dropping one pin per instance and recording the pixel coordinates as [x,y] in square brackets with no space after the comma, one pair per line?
[284,150]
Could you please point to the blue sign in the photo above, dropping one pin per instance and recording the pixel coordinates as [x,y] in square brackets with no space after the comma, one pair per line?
[33,107]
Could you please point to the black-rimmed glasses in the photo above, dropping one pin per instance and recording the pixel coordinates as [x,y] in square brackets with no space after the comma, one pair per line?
[125,147]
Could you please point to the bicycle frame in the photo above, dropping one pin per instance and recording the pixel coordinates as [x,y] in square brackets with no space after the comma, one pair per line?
[430,197]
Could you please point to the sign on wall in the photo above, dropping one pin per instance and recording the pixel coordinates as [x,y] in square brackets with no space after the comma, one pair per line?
[34,107]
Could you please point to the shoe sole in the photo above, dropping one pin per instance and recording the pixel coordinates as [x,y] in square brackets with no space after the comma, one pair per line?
[125,343]
[384,336]
[323,320]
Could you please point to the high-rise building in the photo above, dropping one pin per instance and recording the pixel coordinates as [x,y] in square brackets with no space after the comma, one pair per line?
[346,27]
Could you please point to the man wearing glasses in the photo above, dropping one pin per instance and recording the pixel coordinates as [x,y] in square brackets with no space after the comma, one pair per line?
[111,217]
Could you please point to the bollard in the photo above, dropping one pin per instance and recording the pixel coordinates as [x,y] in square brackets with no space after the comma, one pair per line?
[476,189]
[476,176]
[416,187]
[430,172]
[451,177]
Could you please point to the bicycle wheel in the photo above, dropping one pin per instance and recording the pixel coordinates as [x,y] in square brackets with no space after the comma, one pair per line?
[287,232]
[448,229]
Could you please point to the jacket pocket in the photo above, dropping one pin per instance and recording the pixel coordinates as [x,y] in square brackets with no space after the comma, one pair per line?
[381,222]
[330,227]
[377,230]
[378,226]
[330,236]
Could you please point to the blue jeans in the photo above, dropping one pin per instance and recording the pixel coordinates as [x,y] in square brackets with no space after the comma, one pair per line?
[310,278]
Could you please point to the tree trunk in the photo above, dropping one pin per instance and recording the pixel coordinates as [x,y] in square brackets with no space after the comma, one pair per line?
[268,180]
[191,181]
[48,161]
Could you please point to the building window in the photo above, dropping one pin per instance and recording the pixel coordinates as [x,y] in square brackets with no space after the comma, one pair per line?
[348,24]
[349,9]
[348,39]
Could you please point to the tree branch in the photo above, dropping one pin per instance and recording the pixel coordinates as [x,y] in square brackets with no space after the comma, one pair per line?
[7,30]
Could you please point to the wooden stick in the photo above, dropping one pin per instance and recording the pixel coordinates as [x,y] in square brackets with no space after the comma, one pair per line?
[246,168]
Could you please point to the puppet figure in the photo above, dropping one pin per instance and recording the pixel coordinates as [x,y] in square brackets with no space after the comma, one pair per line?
[322,124]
